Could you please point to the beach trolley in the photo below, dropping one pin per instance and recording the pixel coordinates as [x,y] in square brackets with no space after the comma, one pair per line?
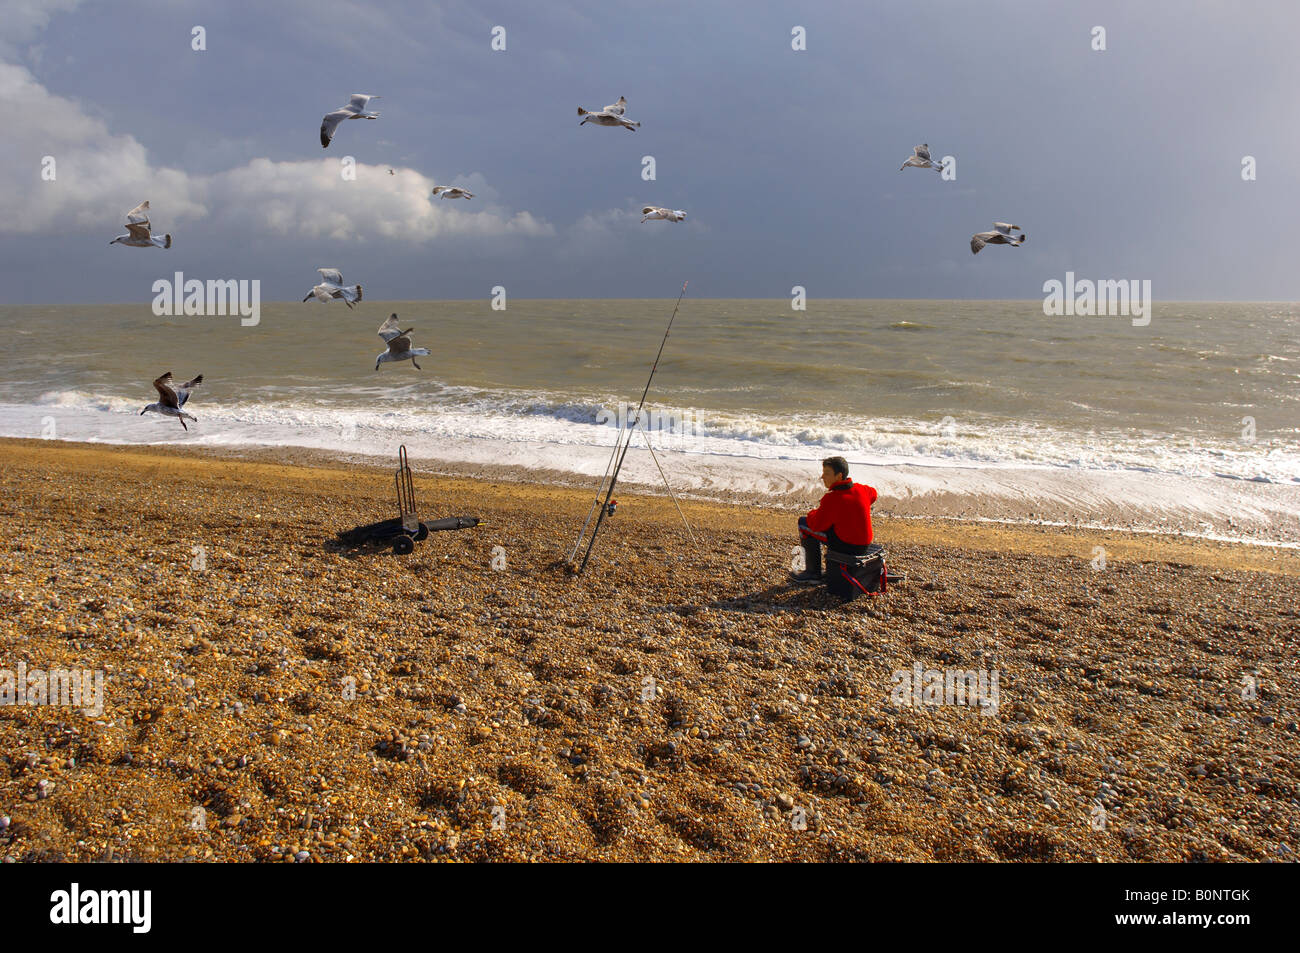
[407,529]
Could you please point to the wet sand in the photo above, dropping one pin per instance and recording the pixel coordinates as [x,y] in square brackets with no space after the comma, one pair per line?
[272,696]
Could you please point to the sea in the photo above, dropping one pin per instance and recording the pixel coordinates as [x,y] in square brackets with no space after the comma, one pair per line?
[953,407]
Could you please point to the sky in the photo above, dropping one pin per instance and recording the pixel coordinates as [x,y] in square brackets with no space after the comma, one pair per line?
[1122,163]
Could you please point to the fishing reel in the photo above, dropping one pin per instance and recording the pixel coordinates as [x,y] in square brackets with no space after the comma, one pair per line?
[610,507]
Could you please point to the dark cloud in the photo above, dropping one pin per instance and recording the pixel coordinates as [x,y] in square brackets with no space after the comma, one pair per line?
[1118,164]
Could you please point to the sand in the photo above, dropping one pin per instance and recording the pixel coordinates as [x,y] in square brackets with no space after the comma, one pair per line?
[271,696]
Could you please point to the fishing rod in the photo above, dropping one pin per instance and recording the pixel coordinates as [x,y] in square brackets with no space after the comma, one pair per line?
[621,454]
[595,502]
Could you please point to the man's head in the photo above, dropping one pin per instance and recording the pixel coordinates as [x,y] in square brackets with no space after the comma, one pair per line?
[834,469]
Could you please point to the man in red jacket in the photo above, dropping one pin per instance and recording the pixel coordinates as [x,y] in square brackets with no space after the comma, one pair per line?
[841,522]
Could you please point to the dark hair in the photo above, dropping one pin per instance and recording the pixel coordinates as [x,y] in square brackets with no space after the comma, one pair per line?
[838,464]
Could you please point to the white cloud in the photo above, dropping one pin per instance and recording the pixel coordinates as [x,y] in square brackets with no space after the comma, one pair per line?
[101,174]
[310,198]
[24,19]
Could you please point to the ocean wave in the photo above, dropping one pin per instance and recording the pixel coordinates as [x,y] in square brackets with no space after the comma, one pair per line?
[559,422]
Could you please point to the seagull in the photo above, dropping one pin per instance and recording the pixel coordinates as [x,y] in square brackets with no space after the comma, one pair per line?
[391,172]
[611,115]
[921,159]
[399,344]
[172,398]
[333,287]
[355,109]
[137,230]
[1000,236]
[451,192]
[655,213]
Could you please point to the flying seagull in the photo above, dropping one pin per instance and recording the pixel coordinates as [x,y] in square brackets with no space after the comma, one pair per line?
[920,159]
[399,344]
[451,192]
[137,230]
[332,287]
[657,214]
[355,109]
[1000,236]
[172,398]
[611,115]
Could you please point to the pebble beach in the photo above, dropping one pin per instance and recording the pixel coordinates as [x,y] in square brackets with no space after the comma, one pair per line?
[273,696]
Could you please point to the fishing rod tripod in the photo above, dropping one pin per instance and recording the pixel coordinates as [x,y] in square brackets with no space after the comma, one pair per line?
[621,446]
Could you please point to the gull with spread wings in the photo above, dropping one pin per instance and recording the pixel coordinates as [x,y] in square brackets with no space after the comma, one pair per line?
[611,115]
[332,287]
[399,344]
[653,213]
[920,159]
[137,230]
[171,398]
[1001,235]
[355,109]
[452,192]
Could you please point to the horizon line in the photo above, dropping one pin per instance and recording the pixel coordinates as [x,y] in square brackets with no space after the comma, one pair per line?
[782,298]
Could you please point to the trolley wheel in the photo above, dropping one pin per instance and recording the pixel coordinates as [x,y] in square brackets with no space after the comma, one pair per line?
[403,545]
[421,533]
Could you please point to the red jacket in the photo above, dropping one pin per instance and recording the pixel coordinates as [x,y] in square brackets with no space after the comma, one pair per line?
[846,509]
